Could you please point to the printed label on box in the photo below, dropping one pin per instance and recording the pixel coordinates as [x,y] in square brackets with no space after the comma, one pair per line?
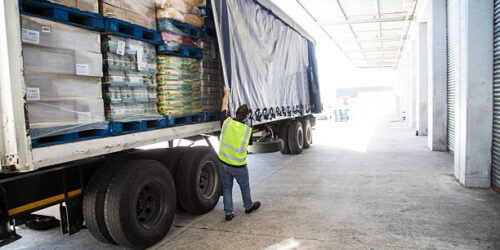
[33,94]
[30,36]
[141,65]
[46,29]
[119,111]
[134,79]
[121,48]
[84,116]
[82,69]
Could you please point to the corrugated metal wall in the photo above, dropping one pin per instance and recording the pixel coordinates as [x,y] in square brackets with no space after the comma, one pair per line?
[495,168]
[452,30]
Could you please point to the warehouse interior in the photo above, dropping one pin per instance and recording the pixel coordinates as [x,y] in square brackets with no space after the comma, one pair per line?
[416,165]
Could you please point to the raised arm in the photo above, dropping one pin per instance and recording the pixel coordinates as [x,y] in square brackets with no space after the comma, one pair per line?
[225,99]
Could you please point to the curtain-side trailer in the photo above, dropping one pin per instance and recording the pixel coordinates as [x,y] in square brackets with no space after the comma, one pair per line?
[128,196]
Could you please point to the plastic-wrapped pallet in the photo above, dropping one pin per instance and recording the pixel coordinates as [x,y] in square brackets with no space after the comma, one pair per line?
[184,11]
[178,85]
[83,5]
[129,79]
[210,75]
[140,12]
[62,72]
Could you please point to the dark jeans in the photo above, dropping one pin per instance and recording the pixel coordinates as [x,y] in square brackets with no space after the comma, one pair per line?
[241,175]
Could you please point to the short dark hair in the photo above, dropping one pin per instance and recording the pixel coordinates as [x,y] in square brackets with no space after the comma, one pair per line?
[242,113]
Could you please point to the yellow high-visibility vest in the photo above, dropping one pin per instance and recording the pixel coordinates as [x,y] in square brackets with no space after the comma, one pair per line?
[233,142]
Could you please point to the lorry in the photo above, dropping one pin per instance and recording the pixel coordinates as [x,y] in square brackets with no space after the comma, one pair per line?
[127,196]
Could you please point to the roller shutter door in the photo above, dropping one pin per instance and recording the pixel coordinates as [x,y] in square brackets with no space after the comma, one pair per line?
[495,169]
[452,16]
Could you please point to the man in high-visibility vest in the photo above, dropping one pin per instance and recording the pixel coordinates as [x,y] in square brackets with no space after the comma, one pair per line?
[234,139]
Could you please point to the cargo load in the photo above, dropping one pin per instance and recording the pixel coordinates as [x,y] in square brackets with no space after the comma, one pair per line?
[178,85]
[184,11]
[137,12]
[63,70]
[129,80]
[210,75]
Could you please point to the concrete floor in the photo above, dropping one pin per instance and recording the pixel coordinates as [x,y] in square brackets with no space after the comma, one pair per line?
[386,191]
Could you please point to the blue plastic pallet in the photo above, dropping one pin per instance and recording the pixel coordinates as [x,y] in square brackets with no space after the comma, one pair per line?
[180,120]
[176,27]
[181,50]
[211,116]
[133,126]
[67,134]
[134,31]
[61,13]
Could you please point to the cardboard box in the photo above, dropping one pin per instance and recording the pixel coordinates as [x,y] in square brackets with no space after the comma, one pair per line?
[140,12]
[46,33]
[67,112]
[83,5]
[52,87]
[61,61]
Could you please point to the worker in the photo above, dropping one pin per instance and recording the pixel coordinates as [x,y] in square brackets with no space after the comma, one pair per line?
[234,139]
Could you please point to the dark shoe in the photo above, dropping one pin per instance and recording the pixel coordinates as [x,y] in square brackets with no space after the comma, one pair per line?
[229,217]
[255,206]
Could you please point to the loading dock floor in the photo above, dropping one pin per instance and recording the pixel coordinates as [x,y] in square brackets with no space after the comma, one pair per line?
[394,193]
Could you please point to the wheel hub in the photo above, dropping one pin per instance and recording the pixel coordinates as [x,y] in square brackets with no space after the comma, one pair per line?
[207,181]
[150,205]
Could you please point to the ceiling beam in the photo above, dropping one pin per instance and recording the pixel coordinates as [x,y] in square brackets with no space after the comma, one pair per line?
[323,29]
[375,19]
[377,49]
[350,26]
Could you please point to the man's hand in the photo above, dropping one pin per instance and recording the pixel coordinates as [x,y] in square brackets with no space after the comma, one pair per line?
[225,99]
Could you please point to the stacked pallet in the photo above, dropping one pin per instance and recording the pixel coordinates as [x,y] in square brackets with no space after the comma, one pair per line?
[184,11]
[178,85]
[129,78]
[210,75]
[63,70]
[180,24]
[140,12]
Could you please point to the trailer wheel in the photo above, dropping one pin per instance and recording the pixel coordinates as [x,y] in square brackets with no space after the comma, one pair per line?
[283,135]
[198,180]
[93,202]
[296,137]
[268,145]
[41,222]
[306,125]
[140,203]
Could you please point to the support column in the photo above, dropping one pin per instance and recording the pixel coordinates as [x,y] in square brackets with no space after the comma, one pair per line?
[422,78]
[437,75]
[411,77]
[475,94]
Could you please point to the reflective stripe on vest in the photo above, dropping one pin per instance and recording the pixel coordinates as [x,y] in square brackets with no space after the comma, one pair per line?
[234,139]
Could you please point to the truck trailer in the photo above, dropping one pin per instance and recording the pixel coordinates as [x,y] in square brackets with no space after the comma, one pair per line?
[128,196]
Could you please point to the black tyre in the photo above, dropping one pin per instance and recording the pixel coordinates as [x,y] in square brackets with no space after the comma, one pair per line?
[198,180]
[283,135]
[41,222]
[140,203]
[296,137]
[93,202]
[306,125]
[268,145]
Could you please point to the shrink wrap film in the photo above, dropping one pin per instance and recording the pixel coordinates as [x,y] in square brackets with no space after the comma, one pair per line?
[129,90]
[46,33]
